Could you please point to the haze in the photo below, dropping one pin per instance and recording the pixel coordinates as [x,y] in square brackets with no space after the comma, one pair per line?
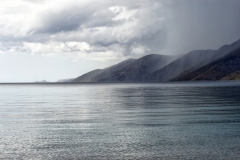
[52,40]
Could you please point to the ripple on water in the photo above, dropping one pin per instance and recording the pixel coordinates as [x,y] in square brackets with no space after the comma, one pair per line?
[120,121]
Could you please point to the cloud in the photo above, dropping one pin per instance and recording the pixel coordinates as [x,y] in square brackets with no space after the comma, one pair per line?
[106,27]
[55,47]
[118,29]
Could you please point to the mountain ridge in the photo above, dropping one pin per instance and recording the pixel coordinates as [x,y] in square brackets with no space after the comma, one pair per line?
[128,70]
[156,68]
[139,69]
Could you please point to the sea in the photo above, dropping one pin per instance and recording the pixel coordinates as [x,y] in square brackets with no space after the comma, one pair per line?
[169,120]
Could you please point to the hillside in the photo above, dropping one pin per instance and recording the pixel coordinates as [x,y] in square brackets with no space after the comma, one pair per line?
[139,69]
[190,62]
[232,76]
[226,68]
[95,75]
[131,70]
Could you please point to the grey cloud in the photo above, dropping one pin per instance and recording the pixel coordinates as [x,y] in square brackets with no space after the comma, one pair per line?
[156,42]
[12,47]
[74,17]
[67,20]
[95,24]
[169,27]
[205,24]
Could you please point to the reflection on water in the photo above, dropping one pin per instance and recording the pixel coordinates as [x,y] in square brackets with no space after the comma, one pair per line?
[120,121]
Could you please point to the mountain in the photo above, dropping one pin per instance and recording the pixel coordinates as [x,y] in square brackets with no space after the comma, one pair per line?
[155,68]
[226,68]
[131,70]
[190,62]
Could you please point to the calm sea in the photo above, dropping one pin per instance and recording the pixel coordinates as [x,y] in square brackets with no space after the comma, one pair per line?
[120,121]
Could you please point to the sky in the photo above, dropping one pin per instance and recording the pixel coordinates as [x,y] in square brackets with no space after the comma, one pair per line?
[52,39]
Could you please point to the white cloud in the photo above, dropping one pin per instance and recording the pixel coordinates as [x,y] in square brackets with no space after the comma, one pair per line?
[49,28]
[1,52]
[56,47]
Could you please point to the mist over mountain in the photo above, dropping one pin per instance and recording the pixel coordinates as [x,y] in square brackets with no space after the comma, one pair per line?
[156,68]
[190,62]
[226,68]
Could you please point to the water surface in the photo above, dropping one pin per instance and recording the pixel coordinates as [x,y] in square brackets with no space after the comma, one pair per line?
[199,120]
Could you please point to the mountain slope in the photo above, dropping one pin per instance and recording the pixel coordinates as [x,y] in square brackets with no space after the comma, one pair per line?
[139,69]
[225,68]
[131,70]
[108,71]
[95,75]
[190,62]
[87,77]
[232,76]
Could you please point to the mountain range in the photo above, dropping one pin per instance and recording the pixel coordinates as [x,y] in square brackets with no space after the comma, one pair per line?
[221,64]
